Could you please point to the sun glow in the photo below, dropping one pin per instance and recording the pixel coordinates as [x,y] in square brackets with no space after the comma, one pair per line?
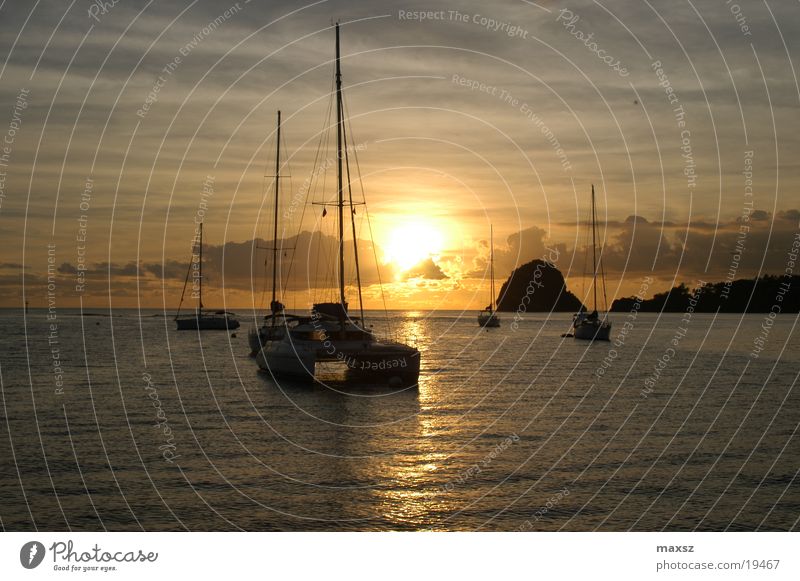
[411,242]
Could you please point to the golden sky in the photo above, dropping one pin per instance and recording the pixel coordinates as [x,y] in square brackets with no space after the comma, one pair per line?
[123,126]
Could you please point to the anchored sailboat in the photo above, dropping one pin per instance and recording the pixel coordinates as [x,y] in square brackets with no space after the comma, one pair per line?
[488,317]
[585,325]
[201,320]
[274,325]
[332,334]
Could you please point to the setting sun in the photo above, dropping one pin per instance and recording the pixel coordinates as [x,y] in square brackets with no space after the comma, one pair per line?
[411,242]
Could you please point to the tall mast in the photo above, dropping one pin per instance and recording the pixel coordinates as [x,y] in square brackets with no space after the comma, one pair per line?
[273,304]
[339,127]
[594,252]
[491,263]
[200,295]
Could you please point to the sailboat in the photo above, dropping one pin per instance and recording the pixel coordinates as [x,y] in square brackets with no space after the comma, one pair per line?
[332,334]
[274,325]
[590,326]
[200,319]
[488,316]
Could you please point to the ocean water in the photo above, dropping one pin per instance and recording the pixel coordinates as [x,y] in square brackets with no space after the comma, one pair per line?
[122,423]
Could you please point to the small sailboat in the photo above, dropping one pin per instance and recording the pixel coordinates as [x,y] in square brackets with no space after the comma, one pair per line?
[274,324]
[332,334]
[488,316]
[201,319]
[590,326]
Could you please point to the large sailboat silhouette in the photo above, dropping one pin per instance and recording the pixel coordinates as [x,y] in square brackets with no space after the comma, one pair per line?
[274,324]
[332,334]
[488,316]
[591,326]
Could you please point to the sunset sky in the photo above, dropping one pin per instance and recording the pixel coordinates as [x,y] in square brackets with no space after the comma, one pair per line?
[114,120]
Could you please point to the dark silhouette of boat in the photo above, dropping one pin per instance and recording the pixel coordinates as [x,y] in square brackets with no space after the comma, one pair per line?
[273,326]
[591,326]
[332,334]
[201,319]
[488,316]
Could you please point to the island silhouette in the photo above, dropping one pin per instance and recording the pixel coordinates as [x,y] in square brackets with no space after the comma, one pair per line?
[766,294]
[538,286]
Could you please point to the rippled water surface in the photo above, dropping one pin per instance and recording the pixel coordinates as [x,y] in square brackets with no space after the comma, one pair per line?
[510,429]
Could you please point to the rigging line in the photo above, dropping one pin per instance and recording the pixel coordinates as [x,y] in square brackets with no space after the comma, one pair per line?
[356,234]
[353,218]
[594,251]
[313,183]
[585,238]
[330,277]
[264,284]
[491,268]
[285,278]
[186,281]
[282,249]
[603,279]
[330,270]
[200,298]
[389,327]
[315,180]
[602,269]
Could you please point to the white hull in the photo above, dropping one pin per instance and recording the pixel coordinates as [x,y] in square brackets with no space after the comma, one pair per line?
[258,337]
[252,340]
[284,360]
[366,360]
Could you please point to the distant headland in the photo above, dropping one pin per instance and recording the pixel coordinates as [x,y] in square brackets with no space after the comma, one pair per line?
[538,286]
[767,294]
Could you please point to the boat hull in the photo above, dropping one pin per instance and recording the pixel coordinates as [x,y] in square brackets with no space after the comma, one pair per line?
[277,360]
[488,320]
[392,367]
[203,323]
[381,363]
[253,342]
[592,331]
[258,337]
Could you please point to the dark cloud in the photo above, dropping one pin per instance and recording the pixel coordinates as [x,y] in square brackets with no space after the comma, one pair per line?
[751,247]
[426,269]
[248,266]
[636,220]
[519,248]
[67,268]
[631,248]
[172,269]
